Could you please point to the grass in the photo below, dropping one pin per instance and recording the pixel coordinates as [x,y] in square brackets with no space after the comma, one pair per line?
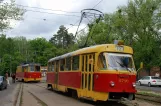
[39,101]
[153,94]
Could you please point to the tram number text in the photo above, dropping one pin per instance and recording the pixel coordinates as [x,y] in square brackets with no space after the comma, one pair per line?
[123,80]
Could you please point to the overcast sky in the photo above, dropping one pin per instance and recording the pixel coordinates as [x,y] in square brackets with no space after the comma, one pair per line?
[36,24]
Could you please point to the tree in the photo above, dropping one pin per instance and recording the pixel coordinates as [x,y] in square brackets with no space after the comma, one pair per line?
[138,24]
[62,39]
[39,49]
[8,12]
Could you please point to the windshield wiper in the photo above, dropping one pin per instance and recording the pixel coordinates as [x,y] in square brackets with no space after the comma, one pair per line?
[123,66]
[113,67]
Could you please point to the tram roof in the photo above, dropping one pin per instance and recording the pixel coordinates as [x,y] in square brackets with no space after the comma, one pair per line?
[29,64]
[94,49]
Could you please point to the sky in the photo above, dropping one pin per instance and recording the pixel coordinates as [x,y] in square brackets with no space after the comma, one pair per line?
[45,23]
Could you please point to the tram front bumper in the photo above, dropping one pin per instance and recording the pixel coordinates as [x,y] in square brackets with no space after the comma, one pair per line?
[32,79]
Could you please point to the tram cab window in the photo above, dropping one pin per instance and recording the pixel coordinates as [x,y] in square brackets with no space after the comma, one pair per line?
[75,63]
[102,62]
[118,61]
[68,64]
[37,68]
[32,68]
[62,64]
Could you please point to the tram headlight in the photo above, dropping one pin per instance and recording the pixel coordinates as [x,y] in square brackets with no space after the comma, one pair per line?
[134,84]
[112,83]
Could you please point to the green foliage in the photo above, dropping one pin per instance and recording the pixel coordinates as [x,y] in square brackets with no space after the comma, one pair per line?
[62,39]
[8,12]
[138,24]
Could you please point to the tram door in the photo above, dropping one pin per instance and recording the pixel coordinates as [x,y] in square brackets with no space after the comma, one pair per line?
[87,74]
[56,74]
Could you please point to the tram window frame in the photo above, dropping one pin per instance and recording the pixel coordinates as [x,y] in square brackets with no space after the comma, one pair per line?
[68,64]
[75,59]
[62,65]
[102,62]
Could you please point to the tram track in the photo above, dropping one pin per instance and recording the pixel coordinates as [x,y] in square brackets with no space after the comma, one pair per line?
[123,102]
[151,99]
[139,97]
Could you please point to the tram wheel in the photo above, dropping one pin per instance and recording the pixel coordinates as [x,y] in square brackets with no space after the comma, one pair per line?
[131,96]
[74,94]
[49,87]
[139,83]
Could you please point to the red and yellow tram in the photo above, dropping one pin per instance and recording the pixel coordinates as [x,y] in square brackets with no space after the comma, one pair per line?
[102,72]
[28,72]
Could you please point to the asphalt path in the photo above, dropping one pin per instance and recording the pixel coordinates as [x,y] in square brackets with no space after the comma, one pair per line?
[145,87]
[6,92]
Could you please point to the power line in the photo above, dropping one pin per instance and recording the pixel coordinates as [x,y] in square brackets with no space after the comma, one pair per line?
[52,13]
[45,9]
[82,29]
[73,24]
[97,3]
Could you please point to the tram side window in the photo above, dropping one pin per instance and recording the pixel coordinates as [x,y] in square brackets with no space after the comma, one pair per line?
[68,64]
[62,64]
[22,69]
[102,62]
[49,67]
[75,63]
[52,67]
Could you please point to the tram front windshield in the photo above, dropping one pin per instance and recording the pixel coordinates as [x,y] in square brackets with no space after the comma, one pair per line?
[34,68]
[117,61]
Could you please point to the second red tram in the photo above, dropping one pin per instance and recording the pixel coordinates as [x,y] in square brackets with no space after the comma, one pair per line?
[28,72]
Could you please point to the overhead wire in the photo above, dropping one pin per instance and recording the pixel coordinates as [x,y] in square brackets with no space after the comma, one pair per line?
[52,13]
[83,29]
[97,3]
[60,14]
[46,9]
[88,19]
[89,13]
[73,24]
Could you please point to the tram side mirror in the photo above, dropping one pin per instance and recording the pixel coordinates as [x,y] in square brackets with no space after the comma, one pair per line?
[141,65]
